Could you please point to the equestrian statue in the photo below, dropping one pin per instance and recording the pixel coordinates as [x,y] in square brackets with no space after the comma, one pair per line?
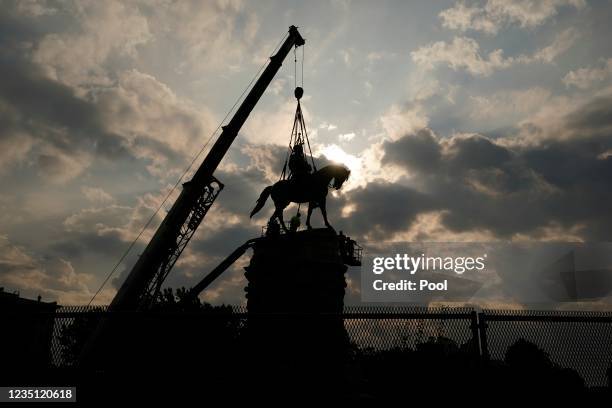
[308,188]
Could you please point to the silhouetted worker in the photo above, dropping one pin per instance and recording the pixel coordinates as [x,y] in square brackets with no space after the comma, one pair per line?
[342,240]
[350,247]
[295,222]
[273,229]
[298,165]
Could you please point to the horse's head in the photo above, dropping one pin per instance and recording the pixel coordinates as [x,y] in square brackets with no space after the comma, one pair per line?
[342,174]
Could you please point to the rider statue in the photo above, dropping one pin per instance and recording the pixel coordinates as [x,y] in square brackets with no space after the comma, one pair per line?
[298,165]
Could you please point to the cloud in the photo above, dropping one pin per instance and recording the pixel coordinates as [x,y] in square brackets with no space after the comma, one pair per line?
[62,129]
[464,54]
[418,151]
[267,159]
[101,29]
[381,210]
[209,35]
[399,120]
[134,117]
[14,143]
[585,78]
[69,105]
[328,126]
[508,105]
[477,183]
[563,41]
[36,8]
[51,277]
[96,195]
[58,166]
[461,53]
[153,121]
[346,137]
[274,126]
[496,14]
[462,17]
[100,220]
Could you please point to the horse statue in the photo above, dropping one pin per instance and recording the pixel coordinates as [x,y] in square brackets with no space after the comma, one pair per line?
[312,190]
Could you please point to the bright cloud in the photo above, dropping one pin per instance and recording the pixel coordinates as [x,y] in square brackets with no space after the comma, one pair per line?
[585,78]
[509,105]
[463,53]
[495,14]
[398,121]
[107,27]
[97,195]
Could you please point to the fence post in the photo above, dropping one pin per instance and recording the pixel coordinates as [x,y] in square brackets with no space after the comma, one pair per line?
[475,333]
[482,326]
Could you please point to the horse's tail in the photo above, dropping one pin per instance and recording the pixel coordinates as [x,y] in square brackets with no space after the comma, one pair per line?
[261,200]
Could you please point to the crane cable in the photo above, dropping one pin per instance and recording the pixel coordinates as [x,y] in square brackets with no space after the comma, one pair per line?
[295,76]
[144,228]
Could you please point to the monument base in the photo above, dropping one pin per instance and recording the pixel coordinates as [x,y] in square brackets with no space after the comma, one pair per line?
[295,297]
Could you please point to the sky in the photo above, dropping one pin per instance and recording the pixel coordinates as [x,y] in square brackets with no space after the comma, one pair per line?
[460,121]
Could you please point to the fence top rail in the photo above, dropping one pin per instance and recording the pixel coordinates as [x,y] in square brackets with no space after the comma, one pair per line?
[546,316]
[406,315]
[243,315]
[408,309]
[350,312]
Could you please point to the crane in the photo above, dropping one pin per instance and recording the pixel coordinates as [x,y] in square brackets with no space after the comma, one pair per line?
[143,284]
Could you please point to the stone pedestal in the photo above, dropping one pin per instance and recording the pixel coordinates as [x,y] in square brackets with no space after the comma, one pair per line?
[296,273]
[295,297]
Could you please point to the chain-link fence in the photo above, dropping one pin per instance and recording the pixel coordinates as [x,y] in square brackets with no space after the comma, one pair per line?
[581,341]
[578,340]
[384,328]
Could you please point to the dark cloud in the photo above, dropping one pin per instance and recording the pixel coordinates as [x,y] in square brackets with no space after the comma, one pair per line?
[477,153]
[382,209]
[56,106]
[241,190]
[45,110]
[594,117]
[223,241]
[485,186]
[420,152]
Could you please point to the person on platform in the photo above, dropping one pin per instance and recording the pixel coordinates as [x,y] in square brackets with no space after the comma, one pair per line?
[273,229]
[342,241]
[295,223]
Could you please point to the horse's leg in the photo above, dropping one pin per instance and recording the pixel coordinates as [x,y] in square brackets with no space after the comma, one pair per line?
[310,208]
[279,204]
[324,212]
[278,212]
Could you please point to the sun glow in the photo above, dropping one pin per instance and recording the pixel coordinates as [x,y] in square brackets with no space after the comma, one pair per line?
[336,154]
